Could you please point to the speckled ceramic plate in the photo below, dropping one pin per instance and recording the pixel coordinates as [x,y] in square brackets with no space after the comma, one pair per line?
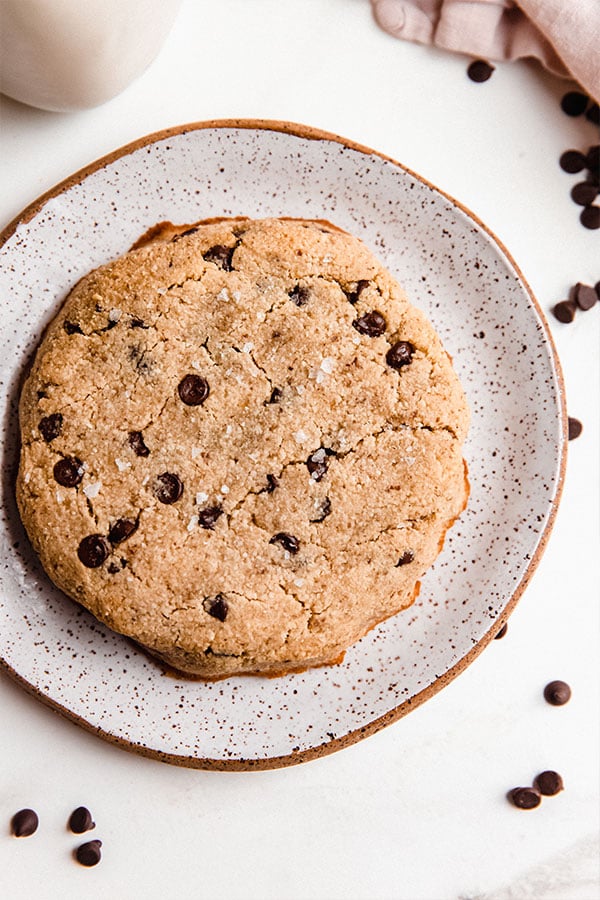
[490,323]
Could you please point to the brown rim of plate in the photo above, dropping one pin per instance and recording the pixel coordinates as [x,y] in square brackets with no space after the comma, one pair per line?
[277,762]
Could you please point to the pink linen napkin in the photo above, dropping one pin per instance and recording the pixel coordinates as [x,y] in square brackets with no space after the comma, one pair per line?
[564,35]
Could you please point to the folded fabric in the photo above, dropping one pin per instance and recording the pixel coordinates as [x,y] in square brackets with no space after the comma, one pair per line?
[564,35]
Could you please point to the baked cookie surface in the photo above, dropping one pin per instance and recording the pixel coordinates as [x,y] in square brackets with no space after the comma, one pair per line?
[241,445]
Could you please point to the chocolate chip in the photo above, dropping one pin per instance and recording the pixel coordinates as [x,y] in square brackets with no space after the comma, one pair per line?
[72,328]
[138,323]
[81,820]
[193,390]
[121,530]
[585,296]
[89,854]
[407,557]
[287,541]
[372,324]
[300,295]
[93,551]
[592,159]
[24,823]
[355,294]
[572,161]
[480,70]
[548,783]
[574,103]
[593,114]
[271,483]
[317,464]
[584,193]
[590,217]
[399,354]
[564,311]
[575,428]
[68,471]
[221,256]
[597,289]
[525,797]
[51,426]
[324,508]
[502,632]
[276,395]
[557,693]
[136,442]
[168,488]
[217,607]
[208,516]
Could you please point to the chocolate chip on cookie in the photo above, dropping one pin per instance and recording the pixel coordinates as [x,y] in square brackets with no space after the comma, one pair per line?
[93,550]
[168,488]
[323,509]
[287,541]
[51,426]
[406,558]
[300,295]
[355,294]
[121,530]
[68,471]
[138,323]
[399,354]
[271,484]
[372,324]
[193,390]
[221,256]
[217,607]
[276,395]
[208,516]
[317,464]
[136,442]
[72,328]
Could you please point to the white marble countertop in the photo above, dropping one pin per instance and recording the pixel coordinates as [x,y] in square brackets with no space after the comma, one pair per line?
[417,811]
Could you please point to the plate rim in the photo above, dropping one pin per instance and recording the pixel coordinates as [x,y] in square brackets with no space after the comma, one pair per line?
[393,715]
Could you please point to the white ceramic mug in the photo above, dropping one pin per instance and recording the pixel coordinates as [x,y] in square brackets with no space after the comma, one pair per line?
[74,54]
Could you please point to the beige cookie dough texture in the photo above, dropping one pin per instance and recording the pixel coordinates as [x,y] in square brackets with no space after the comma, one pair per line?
[395,480]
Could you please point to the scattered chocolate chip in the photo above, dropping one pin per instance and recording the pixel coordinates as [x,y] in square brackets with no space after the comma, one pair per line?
[41,395]
[72,328]
[564,311]
[590,217]
[193,390]
[399,354]
[572,161]
[138,323]
[372,324]
[217,607]
[407,557]
[81,820]
[575,428]
[574,103]
[68,471]
[324,510]
[592,159]
[317,464]
[584,193]
[136,442]
[93,551]
[355,294]
[480,70]
[51,426]
[287,541]
[300,295]
[24,823]
[548,783]
[221,256]
[168,488]
[271,483]
[525,797]
[121,530]
[276,395]
[502,632]
[585,296]
[593,113]
[208,516]
[557,693]
[89,854]
[114,568]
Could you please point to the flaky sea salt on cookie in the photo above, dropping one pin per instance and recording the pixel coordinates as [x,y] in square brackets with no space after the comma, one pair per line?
[241,445]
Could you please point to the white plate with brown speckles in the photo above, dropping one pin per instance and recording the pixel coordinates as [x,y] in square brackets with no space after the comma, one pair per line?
[458,273]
